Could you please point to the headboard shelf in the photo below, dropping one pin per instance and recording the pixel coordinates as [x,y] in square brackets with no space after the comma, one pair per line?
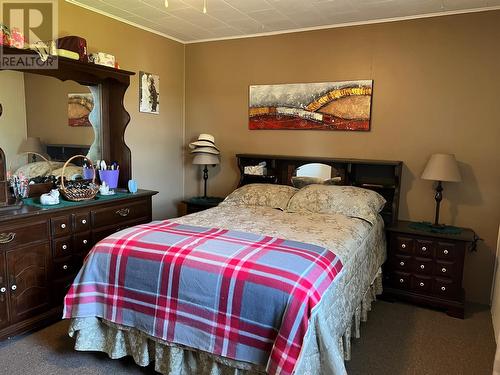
[382,176]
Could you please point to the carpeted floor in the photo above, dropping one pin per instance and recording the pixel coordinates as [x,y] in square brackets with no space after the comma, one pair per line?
[398,339]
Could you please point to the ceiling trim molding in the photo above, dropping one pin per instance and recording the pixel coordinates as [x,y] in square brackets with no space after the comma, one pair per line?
[95,10]
[289,31]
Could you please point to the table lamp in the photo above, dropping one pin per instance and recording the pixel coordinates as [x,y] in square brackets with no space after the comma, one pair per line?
[32,145]
[205,159]
[441,168]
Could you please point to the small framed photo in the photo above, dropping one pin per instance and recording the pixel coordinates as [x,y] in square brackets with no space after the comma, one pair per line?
[149,93]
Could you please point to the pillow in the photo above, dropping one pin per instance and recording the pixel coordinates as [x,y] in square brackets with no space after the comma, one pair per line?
[71,172]
[266,195]
[300,181]
[347,200]
[39,168]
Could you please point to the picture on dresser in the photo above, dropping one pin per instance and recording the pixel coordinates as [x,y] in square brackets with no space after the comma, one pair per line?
[149,93]
[311,106]
[79,108]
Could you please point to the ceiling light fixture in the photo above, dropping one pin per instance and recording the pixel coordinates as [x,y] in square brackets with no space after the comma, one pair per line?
[166,3]
[205,6]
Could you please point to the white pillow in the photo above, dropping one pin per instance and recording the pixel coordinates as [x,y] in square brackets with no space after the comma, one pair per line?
[347,200]
[267,195]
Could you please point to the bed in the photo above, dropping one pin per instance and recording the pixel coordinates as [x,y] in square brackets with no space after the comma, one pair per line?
[358,242]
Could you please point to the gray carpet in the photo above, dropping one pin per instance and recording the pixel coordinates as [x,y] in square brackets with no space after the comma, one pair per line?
[398,339]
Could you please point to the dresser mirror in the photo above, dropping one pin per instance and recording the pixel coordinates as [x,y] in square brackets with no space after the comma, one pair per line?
[56,119]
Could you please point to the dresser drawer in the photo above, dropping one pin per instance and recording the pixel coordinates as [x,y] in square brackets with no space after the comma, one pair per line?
[62,247]
[401,263]
[61,225]
[403,245]
[63,268]
[82,242]
[447,251]
[117,214]
[12,236]
[424,248]
[423,266]
[82,222]
[60,289]
[421,284]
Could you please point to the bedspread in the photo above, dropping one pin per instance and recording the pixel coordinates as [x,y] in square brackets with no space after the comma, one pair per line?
[199,287]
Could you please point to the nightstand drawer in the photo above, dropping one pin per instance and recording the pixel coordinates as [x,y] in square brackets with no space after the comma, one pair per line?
[400,280]
[444,288]
[423,266]
[424,248]
[403,245]
[402,263]
[446,251]
[421,284]
[444,269]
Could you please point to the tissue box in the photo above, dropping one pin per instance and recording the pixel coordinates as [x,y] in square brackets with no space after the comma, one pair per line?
[102,58]
[257,170]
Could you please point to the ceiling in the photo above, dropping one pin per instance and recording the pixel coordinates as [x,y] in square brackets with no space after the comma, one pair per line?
[185,21]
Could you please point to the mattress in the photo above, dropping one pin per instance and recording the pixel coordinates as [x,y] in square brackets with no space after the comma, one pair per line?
[359,245]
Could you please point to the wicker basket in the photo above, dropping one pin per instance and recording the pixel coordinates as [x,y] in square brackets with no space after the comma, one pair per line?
[78,194]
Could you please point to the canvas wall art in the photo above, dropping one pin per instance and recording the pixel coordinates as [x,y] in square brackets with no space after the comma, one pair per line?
[313,106]
[149,93]
[79,108]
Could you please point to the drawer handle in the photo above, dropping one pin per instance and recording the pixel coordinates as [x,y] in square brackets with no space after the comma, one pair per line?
[445,252]
[402,264]
[13,287]
[422,266]
[84,221]
[63,226]
[443,288]
[5,238]
[443,270]
[403,246]
[401,281]
[85,242]
[422,284]
[3,289]
[65,267]
[424,248]
[123,212]
[64,247]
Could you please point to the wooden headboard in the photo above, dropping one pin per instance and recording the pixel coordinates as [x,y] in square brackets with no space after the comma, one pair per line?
[382,176]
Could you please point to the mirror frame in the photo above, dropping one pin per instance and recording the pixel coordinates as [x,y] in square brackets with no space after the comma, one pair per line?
[112,85]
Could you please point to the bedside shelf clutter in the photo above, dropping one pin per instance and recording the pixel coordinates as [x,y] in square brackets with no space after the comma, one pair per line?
[427,268]
[198,204]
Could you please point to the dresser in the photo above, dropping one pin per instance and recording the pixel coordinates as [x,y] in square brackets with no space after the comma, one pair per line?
[42,250]
[427,268]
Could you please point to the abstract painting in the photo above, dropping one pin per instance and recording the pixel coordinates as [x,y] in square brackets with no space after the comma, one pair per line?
[149,93]
[311,106]
[79,108]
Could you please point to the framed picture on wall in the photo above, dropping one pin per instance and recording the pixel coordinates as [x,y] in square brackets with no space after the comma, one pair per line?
[342,105]
[79,108]
[149,93]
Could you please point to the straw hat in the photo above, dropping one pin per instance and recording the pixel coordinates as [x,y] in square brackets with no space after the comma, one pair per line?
[204,140]
[205,150]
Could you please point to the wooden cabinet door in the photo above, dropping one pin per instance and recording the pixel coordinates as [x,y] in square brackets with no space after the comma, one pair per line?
[4,292]
[27,271]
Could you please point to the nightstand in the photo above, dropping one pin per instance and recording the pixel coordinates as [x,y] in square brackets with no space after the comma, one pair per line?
[425,267]
[198,204]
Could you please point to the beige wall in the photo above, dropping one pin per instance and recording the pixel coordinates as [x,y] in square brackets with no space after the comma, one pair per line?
[47,111]
[13,119]
[155,140]
[436,85]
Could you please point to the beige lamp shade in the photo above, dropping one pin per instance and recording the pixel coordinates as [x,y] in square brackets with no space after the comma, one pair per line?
[442,167]
[205,159]
[32,144]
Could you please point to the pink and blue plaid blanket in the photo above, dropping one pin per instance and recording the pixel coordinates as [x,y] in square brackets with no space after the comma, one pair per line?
[238,295]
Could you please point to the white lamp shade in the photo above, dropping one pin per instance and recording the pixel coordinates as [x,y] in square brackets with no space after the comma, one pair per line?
[442,167]
[32,144]
[205,159]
